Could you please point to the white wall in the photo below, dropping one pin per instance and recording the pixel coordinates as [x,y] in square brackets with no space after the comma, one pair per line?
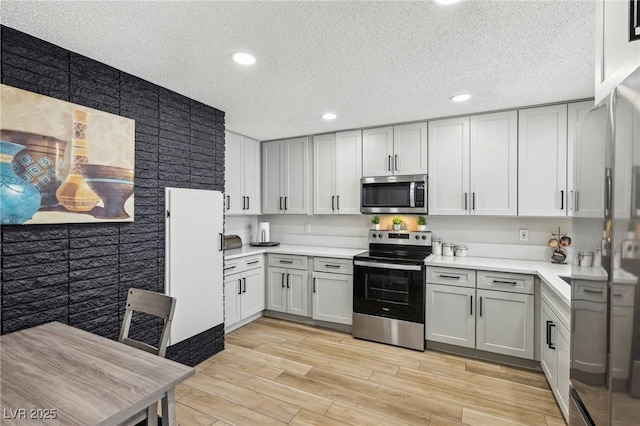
[243,226]
[485,236]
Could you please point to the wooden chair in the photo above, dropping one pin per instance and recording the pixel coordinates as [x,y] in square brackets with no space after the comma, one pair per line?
[161,306]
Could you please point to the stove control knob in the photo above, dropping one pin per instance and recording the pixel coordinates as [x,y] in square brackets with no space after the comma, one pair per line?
[424,237]
[374,236]
[379,235]
[417,237]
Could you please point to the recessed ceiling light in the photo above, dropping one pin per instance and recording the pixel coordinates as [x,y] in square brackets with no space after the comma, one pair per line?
[329,116]
[244,58]
[446,1]
[460,98]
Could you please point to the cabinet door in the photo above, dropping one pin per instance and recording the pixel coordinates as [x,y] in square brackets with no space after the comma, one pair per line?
[548,354]
[296,177]
[324,174]
[332,297]
[542,161]
[298,292]
[272,177]
[348,171]
[589,165]
[563,348]
[377,152]
[251,171]
[450,315]
[276,289]
[590,338]
[410,149]
[252,300]
[232,288]
[505,323]
[449,167]
[233,175]
[494,164]
[575,112]
[622,336]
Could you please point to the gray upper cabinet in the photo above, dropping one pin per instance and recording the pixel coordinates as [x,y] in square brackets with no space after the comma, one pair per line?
[286,177]
[242,175]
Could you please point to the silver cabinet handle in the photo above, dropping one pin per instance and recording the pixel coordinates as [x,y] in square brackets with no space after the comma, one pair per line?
[571,202]
[396,162]
[228,202]
[221,242]
[388,266]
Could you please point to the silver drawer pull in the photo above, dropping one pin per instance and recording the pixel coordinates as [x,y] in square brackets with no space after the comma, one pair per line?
[588,290]
[328,265]
[453,277]
[287,262]
[253,263]
[617,294]
[505,282]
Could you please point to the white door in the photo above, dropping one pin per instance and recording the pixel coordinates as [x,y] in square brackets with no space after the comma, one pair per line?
[377,152]
[324,174]
[451,315]
[589,165]
[252,292]
[251,171]
[548,354]
[542,161]
[194,259]
[297,292]
[276,289]
[449,167]
[410,149]
[494,164]
[348,171]
[332,297]
[505,323]
[232,290]
[296,177]
[575,112]
[563,348]
[233,173]
[272,177]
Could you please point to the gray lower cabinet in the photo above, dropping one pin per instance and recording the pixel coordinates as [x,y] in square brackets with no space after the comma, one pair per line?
[497,316]
[332,297]
[555,355]
[288,287]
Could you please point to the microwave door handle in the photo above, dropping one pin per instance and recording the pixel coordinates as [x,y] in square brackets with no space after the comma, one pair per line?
[412,194]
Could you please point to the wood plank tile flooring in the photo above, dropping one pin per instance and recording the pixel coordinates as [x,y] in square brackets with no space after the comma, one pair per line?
[275,372]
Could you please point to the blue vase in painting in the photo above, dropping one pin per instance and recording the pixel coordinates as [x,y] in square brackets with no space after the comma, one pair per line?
[19,200]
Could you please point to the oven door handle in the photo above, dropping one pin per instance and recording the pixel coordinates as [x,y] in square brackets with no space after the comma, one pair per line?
[388,266]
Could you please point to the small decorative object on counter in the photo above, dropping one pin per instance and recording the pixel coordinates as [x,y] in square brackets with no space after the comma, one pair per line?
[447,249]
[436,246]
[422,223]
[559,242]
[397,223]
[376,222]
[585,258]
[461,250]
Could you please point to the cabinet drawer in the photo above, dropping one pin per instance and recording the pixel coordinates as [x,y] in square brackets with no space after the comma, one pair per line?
[503,281]
[288,261]
[252,262]
[591,291]
[232,267]
[622,294]
[332,265]
[451,276]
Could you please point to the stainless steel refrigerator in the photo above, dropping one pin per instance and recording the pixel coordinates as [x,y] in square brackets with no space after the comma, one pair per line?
[605,297]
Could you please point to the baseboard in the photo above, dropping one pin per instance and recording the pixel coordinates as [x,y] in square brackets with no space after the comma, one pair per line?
[512,361]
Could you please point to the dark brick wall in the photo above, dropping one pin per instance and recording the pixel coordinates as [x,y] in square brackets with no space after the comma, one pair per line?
[79,274]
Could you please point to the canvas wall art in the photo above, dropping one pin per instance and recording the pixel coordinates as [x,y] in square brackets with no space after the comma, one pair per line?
[62,163]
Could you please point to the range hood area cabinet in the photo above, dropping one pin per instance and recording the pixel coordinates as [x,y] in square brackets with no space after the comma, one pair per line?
[286,177]
[395,150]
[542,161]
[337,168]
[242,175]
[473,165]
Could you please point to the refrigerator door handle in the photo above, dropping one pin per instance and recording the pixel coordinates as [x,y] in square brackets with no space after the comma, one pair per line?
[607,193]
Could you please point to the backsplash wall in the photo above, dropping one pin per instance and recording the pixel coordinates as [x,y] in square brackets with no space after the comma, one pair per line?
[485,236]
[79,274]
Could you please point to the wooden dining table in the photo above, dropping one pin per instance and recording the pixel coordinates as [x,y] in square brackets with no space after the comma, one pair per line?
[57,374]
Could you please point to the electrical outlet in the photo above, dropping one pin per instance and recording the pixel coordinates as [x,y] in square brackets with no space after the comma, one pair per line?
[524,234]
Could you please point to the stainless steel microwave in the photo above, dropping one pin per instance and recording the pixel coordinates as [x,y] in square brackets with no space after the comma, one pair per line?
[394,194]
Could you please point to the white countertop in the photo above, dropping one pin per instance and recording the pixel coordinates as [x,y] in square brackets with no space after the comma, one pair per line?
[337,252]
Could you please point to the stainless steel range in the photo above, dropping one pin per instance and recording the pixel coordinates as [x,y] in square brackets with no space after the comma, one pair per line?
[389,288]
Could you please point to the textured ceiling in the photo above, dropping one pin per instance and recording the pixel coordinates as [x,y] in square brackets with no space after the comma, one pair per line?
[371,63]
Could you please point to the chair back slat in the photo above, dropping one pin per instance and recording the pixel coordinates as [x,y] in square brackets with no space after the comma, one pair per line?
[148,302]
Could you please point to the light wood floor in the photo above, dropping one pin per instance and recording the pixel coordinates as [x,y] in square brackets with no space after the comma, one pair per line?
[275,372]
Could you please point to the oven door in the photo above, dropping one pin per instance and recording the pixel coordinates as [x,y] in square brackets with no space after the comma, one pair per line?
[390,290]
